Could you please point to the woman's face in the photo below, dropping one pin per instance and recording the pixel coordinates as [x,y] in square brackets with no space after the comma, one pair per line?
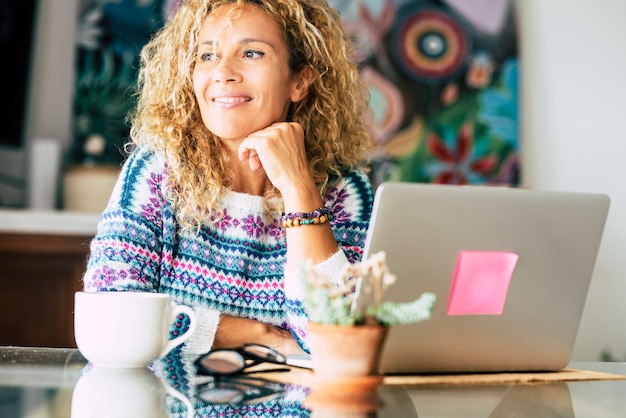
[241,78]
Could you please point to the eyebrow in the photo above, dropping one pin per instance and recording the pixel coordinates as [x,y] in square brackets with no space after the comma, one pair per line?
[243,41]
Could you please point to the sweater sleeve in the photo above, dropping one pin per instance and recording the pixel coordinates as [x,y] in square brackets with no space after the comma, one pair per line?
[134,241]
[126,251]
[351,206]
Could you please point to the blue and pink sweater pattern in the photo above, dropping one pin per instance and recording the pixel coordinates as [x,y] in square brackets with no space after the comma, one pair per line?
[234,266]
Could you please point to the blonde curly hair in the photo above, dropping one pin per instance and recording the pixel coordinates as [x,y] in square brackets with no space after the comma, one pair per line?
[168,118]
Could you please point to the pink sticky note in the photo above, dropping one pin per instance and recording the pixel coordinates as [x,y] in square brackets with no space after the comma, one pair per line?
[481,282]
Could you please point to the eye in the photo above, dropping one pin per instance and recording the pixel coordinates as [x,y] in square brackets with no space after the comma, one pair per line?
[253,54]
[207,56]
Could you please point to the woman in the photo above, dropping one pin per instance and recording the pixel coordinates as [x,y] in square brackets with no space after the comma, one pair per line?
[246,110]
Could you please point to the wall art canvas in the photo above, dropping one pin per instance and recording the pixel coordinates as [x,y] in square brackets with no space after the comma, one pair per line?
[109,37]
[443,82]
[442,77]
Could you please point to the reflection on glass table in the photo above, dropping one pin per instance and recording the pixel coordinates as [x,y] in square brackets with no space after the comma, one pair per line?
[541,400]
[38,382]
[105,392]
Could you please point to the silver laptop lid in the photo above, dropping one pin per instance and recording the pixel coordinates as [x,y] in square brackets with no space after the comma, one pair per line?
[548,240]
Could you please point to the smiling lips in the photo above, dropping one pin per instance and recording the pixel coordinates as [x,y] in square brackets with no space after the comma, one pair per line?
[228,101]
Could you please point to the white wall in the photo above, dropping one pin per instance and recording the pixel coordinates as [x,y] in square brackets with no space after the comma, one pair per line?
[574,138]
[53,72]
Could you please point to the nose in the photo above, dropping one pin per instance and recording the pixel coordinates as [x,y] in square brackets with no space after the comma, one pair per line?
[226,71]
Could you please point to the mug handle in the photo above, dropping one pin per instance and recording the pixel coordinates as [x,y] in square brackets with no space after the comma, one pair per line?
[174,342]
[176,394]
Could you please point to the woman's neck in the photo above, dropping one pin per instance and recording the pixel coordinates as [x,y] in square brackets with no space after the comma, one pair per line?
[247,181]
[244,179]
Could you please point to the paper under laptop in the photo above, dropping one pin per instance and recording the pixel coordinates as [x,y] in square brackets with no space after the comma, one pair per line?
[511,269]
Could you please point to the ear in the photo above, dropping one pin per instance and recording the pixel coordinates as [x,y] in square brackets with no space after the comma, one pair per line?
[301,83]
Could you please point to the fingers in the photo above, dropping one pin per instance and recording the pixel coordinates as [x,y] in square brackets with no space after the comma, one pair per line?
[278,142]
[251,156]
[255,163]
[279,150]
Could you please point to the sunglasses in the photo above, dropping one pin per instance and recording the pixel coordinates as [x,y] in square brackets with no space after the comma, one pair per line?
[239,390]
[232,361]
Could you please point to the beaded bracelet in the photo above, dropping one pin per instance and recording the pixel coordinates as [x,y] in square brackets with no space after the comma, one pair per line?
[319,216]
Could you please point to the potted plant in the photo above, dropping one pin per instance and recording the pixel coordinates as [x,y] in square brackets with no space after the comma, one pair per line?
[348,320]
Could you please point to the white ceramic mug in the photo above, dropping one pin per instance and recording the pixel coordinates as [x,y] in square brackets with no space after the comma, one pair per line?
[126,329]
[123,393]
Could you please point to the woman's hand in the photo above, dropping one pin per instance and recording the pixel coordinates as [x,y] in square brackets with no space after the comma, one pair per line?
[235,332]
[279,150]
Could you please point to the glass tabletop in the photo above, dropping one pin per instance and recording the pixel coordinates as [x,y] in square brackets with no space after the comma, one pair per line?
[45,382]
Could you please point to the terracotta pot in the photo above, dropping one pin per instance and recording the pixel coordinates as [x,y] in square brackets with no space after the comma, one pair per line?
[345,351]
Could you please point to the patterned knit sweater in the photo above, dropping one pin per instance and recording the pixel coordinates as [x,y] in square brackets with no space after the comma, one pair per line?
[234,266]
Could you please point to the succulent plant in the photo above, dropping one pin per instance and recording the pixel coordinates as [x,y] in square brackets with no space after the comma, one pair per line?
[355,297]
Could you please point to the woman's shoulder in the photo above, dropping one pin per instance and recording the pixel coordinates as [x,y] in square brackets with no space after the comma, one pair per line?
[147,154]
[144,167]
[352,196]
[145,158]
[352,178]
[140,181]
[353,184]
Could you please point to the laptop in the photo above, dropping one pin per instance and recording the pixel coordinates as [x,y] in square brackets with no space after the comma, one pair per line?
[510,267]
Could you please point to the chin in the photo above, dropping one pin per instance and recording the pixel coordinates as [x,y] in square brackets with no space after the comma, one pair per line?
[230,129]
[226,133]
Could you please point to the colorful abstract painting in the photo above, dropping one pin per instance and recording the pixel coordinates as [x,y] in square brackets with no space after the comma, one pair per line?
[442,78]
[443,84]
[109,37]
